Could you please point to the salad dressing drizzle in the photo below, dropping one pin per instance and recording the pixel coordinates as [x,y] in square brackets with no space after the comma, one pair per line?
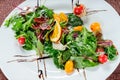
[40,72]
[78,70]
[72,4]
[84,74]
[45,68]
[38,3]
[94,12]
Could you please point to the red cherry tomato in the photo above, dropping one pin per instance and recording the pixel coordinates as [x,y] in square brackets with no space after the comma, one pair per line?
[102,58]
[78,10]
[21,40]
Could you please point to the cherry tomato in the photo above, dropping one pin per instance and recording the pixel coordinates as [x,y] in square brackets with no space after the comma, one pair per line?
[102,58]
[78,10]
[21,40]
[95,27]
[69,67]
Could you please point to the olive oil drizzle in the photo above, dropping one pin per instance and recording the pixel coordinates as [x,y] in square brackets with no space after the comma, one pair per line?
[40,72]
[45,68]
[84,74]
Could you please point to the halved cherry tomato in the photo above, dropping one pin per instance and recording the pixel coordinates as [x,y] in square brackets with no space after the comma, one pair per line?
[69,67]
[21,40]
[78,10]
[102,58]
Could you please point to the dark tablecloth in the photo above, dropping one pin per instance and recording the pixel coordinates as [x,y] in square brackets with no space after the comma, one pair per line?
[6,6]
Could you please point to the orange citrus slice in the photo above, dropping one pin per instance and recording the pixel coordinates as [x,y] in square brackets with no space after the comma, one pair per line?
[56,17]
[95,27]
[69,67]
[56,34]
[62,17]
[78,28]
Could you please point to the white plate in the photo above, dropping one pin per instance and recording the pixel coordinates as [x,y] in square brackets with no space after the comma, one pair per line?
[28,71]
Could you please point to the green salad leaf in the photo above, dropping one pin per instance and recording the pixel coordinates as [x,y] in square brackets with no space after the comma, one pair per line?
[111,52]
[44,11]
[81,62]
[74,20]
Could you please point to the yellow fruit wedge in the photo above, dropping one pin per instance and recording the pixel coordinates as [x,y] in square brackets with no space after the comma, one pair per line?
[62,17]
[56,17]
[56,34]
[69,67]
[95,27]
[78,28]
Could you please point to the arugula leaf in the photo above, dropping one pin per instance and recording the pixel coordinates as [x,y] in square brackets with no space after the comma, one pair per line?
[61,58]
[9,21]
[63,38]
[30,41]
[17,23]
[81,62]
[64,56]
[48,49]
[44,11]
[57,61]
[28,45]
[111,52]
[29,22]
[74,20]
[56,54]
[84,44]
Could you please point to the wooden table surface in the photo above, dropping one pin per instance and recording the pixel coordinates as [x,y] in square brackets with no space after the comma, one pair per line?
[6,6]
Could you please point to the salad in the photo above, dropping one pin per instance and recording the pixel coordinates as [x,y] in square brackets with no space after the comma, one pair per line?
[63,37]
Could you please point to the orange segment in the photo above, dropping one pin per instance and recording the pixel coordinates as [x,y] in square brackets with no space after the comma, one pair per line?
[56,17]
[56,34]
[63,17]
[69,67]
[78,28]
[95,27]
